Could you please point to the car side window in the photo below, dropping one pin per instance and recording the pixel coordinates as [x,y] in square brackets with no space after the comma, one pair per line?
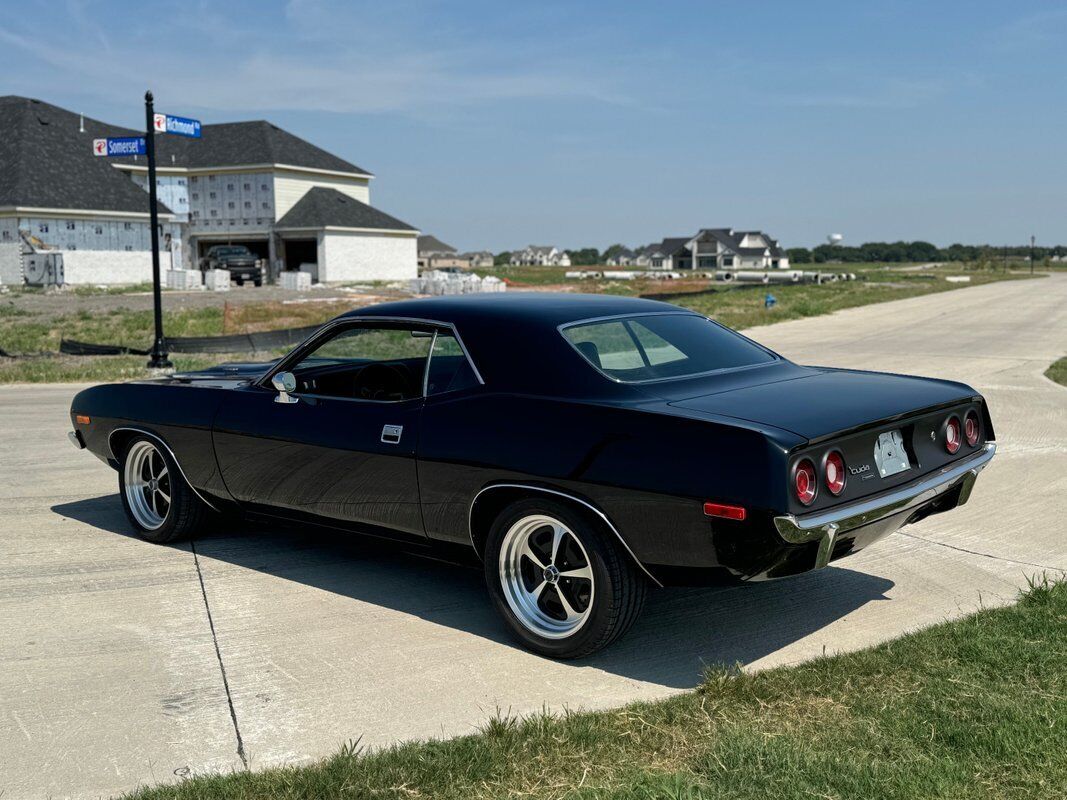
[380,363]
[450,370]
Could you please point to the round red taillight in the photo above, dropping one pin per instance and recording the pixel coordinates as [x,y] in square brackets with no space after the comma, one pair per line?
[804,482]
[835,473]
[952,435]
[970,428]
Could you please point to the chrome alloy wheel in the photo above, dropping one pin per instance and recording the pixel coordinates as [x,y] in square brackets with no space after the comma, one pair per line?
[147,482]
[546,576]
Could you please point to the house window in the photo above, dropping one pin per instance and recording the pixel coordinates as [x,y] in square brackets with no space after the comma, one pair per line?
[181,181]
[214,213]
[248,187]
[6,235]
[248,203]
[127,226]
[70,226]
[263,187]
[196,195]
[128,247]
[231,204]
[211,178]
[72,247]
[42,228]
[229,187]
[211,195]
[99,230]
[196,213]
[193,179]
[266,205]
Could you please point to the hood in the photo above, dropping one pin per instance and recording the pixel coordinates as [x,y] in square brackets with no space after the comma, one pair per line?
[221,375]
[830,401]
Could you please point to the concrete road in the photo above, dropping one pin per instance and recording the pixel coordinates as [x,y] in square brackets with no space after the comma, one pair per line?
[124,663]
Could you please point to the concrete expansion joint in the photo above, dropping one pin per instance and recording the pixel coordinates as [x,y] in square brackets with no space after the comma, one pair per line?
[218,655]
[979,553]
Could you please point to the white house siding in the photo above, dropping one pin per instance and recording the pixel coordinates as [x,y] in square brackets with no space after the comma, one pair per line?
[367,257]
[289,187]
[109,266]
[10,264]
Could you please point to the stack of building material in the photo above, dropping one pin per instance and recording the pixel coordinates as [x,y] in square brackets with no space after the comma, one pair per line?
[436,282]
[184,279]
[296,281]
[217,280]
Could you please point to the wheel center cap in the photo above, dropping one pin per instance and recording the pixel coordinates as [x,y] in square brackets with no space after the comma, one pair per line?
[153,485]
[551,574]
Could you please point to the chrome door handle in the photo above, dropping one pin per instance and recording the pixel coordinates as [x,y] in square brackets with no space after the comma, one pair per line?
[391,434]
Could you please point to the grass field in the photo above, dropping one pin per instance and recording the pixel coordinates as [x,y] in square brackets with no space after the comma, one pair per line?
[26,332]
[1058,372]
[974,708]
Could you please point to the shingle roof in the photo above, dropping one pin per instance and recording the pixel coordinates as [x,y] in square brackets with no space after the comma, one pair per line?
[431,244]
[673,244]
[235,144]
[322,207]
[47,162]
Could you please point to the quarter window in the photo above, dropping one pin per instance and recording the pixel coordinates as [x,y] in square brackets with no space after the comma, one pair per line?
[450,370]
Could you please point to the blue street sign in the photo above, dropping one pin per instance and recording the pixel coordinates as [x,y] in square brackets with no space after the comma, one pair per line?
[120,146]
[165,123]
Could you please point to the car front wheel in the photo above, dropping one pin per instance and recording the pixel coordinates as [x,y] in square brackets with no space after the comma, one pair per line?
[156,498]
[565,588]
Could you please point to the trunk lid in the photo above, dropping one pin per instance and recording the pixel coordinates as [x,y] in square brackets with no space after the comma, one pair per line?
[822,402]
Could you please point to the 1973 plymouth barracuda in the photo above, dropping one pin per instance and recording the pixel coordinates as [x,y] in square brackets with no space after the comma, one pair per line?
[583,447]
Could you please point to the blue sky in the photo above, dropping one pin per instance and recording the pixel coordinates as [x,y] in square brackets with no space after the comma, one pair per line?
[498,124]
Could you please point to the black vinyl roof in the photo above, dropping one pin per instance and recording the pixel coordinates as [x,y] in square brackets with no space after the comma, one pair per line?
[322,207]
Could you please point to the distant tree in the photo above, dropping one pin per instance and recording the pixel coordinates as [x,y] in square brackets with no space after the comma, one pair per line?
[611,252]
[502,259]
[586,257]
[923,251]
[799,255]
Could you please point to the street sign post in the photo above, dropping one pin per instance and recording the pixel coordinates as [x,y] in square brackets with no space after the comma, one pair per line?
[158,357]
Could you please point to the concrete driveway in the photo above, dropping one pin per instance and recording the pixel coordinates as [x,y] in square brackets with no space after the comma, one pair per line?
[124,663]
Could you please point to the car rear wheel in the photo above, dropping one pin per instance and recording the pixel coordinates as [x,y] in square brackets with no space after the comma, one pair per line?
[240,281]
[258,282]
[156,498]
[564,588]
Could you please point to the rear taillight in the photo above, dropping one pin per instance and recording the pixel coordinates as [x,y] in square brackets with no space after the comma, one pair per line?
[952,435]
[835,473]
[970,428]
[804,482]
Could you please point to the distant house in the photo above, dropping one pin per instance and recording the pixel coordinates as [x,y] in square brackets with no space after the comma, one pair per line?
[715,248]
[540,256]
[624,258]
[435,254]
[480,259]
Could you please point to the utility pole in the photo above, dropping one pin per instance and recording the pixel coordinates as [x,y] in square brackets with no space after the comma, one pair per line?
[158,359]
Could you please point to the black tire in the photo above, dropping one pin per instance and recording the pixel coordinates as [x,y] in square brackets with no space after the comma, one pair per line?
[258,282]
[240,281]
[618,585]
[185,515]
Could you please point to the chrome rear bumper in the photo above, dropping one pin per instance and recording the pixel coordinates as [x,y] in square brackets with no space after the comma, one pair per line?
[827,526]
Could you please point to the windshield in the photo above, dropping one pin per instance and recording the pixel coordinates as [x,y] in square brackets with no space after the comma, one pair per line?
[654,347]
[232,251]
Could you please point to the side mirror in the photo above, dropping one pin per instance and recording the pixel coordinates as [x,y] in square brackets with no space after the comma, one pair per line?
[284,383]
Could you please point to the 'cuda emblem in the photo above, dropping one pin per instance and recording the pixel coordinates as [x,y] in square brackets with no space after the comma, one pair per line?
[858,470]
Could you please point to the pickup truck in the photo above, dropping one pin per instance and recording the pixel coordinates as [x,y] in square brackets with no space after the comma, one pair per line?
[238,260]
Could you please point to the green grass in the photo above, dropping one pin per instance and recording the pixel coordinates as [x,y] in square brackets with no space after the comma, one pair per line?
[23,332]
[975,708]
[1058,372]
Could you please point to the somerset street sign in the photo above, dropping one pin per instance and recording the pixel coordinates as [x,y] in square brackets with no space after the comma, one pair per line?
[120,146]
[165,123]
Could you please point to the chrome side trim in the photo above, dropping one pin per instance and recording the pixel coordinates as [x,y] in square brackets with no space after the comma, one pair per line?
[594,509]
[827,526]
[170,452]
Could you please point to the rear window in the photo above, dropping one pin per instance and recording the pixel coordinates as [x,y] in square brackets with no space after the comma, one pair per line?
[655,347]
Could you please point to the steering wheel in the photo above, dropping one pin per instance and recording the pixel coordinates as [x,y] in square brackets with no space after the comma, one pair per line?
[383,382]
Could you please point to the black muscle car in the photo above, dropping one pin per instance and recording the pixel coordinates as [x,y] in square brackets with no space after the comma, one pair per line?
[583,447]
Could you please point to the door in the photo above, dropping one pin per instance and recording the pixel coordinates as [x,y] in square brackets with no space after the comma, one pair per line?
[344,452]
